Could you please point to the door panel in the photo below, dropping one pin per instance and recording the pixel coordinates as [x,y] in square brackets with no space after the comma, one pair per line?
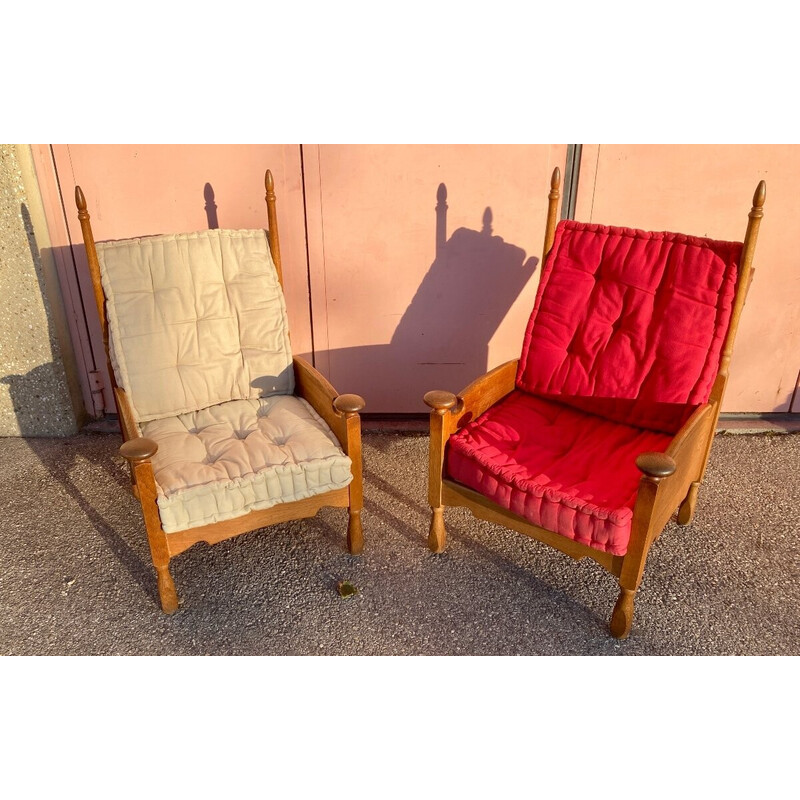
[412,267]
[707,190]
[424,262]
[137,190]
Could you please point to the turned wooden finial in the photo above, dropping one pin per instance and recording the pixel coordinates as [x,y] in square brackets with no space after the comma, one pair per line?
[272,221]
[746,272]
[758,199]
[552,211]
[80,200]
[94,266]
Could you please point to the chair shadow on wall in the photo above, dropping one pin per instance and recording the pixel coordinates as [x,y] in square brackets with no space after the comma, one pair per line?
[442,338]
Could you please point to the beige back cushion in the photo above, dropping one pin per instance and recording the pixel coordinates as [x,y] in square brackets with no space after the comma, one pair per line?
[195,319]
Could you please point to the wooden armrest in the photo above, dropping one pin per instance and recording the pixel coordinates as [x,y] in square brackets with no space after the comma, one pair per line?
[471,402]
[656,465]
[349,403]
[440,400]
[138,449]
[450,412]
[666,477]
[694,428]
[333,407]
[489,389]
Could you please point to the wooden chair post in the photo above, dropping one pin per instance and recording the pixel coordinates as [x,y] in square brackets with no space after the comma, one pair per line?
[350,405]
[138,453]
[272,221]
[94,264]
[127,427]
[552,212]
[746,272]
[440,402]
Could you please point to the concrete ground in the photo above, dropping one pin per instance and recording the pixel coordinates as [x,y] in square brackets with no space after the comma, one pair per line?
[76,578]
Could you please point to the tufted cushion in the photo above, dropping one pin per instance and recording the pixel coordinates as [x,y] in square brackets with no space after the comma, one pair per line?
[629,324]
[240,456]
[195,319]
[562,469]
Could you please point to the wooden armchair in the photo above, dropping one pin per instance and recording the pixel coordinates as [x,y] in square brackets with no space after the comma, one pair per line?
[225,431]
[602,429]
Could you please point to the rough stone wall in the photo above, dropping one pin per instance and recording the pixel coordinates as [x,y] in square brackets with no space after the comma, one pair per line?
[35,399]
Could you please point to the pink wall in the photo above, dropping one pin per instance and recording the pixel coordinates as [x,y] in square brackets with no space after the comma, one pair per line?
[424,262]
[137,190]
[708,190]
[413,267]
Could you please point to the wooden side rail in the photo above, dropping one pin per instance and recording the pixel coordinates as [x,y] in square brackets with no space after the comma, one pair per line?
[340,412]
[333,407]
[478,397]
[450,412]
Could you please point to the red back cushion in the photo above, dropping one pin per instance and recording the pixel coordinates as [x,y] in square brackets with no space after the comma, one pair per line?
[629,324]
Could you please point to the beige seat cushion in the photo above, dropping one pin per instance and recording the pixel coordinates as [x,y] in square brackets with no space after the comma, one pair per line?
[195,319]
[240,456]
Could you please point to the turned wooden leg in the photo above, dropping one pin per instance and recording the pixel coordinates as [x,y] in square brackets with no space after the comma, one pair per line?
[138,452]
[686,510]
[355,534]
[166,589]
[437,536]
[622,617]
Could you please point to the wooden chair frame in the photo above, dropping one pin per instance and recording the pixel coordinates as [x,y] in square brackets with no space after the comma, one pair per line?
[340,412]
[669,480]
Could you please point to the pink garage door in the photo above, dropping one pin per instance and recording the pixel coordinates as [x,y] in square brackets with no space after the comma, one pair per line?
[708,190]
[406,267]
[411,267]
[136,190]
[424,262]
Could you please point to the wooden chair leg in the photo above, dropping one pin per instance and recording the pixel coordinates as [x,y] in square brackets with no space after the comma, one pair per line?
[622,618]
[687,507]
[355,534]
[437,537]
[138,452]
[166,589]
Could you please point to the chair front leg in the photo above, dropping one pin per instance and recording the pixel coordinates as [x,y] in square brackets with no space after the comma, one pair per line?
[440,403]
[655,467]
[350,405]
[138,453]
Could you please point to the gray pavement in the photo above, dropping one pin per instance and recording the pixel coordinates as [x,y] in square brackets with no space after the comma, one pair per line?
[76,579]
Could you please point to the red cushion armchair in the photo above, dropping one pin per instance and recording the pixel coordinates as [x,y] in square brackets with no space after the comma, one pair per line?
[592,439]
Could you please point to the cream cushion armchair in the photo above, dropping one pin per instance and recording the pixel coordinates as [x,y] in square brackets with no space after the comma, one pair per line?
[225,430]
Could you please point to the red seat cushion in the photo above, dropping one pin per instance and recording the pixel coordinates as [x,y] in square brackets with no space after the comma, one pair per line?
[629,324]
[560,468]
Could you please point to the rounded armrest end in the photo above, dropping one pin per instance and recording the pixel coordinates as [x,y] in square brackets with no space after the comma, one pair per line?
[656,465]
[440,400]
[139,449]
[349,403]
